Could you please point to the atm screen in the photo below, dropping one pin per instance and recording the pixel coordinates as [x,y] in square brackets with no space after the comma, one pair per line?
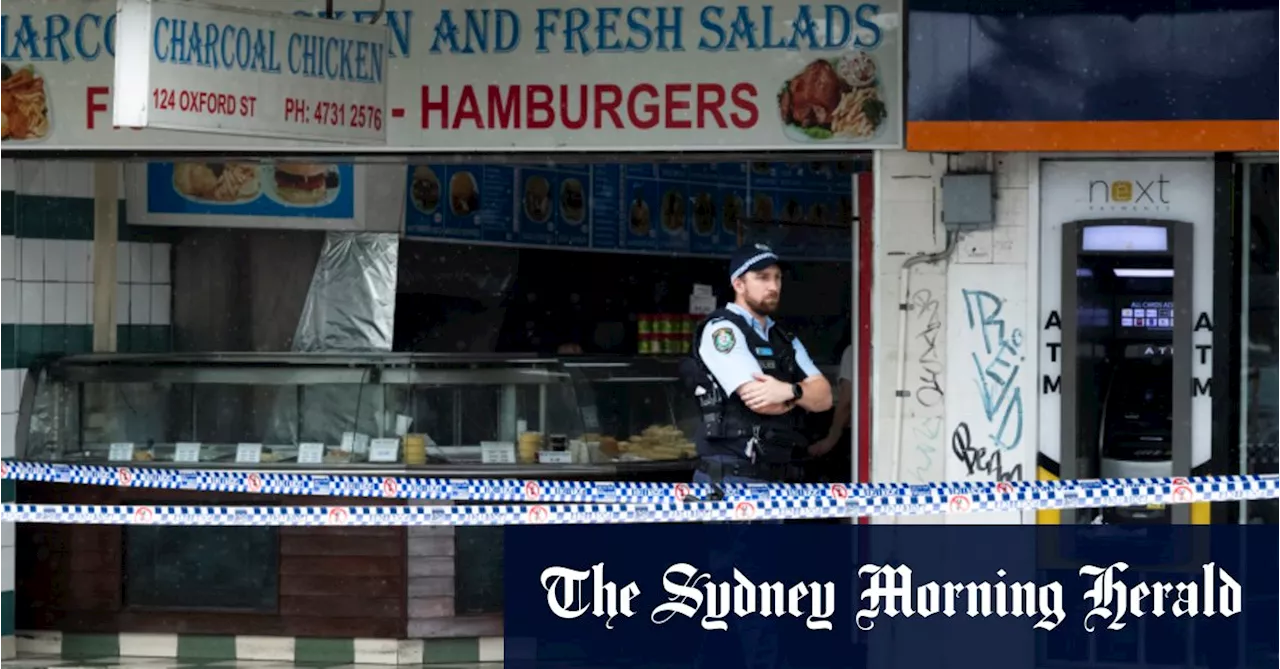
[1145,315]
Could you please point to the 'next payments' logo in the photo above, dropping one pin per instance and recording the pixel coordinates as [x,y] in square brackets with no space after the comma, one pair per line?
[1129,195]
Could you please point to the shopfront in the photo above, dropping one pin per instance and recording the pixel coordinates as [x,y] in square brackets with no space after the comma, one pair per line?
[1109,193]
[502,287]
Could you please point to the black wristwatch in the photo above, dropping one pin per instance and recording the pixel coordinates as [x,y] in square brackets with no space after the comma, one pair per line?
[796,392]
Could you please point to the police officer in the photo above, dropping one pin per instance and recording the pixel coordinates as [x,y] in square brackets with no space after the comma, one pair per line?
[751,380]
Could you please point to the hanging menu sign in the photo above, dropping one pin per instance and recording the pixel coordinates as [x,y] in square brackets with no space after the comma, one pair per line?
[805,210]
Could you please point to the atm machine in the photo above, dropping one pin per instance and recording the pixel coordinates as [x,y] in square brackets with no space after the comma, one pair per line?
[1126,352]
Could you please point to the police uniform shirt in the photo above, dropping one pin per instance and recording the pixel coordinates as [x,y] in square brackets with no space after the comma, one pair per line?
[726,353]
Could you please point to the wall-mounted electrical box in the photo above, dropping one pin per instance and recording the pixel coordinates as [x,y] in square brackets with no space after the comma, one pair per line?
[968,201]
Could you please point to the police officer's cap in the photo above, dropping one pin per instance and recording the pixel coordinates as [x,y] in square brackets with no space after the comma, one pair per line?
[751,258]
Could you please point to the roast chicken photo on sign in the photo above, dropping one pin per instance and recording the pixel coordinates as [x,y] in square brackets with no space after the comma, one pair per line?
[24,104]
[837,99]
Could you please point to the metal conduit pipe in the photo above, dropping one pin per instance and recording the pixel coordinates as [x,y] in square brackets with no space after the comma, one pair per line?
[904,297]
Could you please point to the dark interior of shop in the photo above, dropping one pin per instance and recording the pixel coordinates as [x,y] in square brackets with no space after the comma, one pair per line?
[490,299]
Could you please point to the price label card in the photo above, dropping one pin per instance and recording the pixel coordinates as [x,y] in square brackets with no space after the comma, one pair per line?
[355,442]
[555,457]
[497,452]
[186,451]
[701,305]
[251,453]
[384,450]
[310,453]
[122,452]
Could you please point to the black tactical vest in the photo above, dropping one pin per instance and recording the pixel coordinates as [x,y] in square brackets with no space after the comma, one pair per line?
[727,424]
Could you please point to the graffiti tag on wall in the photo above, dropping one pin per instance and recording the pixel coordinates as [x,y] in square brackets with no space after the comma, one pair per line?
[997,357]
[930,420]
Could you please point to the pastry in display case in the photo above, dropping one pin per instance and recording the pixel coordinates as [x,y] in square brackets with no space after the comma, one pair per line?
[361,410]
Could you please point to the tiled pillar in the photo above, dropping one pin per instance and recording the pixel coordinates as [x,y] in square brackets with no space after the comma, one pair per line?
[10,383]
[47,218]
[938,358]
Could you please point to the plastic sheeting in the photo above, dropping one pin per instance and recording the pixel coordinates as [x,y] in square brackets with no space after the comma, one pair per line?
[351,305]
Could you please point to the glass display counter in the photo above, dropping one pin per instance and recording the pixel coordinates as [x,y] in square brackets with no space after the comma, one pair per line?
[579,417]
[465,415]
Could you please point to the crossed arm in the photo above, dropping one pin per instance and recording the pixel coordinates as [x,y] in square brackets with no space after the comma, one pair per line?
[734,367]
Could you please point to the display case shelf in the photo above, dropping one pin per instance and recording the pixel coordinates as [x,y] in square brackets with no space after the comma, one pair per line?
[457,415]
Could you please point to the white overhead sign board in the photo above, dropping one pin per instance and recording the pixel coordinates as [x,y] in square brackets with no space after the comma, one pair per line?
[198,67]
[466,75]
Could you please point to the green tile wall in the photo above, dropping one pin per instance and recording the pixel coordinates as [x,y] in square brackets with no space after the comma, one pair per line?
[46,217]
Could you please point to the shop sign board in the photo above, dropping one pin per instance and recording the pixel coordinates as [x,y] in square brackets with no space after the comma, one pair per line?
[198,67]
[468,76]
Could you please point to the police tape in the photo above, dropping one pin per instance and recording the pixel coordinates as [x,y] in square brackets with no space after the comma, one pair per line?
[521,490]
[891,504]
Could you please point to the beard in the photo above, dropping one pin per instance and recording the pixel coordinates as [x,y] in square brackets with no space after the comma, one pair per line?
[764,307]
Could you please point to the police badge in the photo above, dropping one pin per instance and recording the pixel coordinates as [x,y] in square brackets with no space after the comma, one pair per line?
[723,340]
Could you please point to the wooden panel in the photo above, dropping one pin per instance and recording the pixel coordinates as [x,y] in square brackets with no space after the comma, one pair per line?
[430,586]
[438,546]
[435,565]
[332,544]
[343,567]
[367,532]
[320,606]
[342,582]
[431,607]
[381,586]
[442,566]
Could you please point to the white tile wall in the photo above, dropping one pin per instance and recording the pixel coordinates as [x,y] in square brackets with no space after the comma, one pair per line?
[53,178]
[9,301]
[10,388]
[54,282]
[50,281]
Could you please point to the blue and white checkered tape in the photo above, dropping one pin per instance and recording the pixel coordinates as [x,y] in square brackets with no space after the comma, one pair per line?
[878,503]
[519,490]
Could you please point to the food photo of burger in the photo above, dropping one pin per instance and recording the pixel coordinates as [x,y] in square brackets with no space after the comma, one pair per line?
[304,184]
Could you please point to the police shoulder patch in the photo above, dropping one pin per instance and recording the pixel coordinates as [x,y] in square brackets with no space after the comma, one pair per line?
[723,339]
